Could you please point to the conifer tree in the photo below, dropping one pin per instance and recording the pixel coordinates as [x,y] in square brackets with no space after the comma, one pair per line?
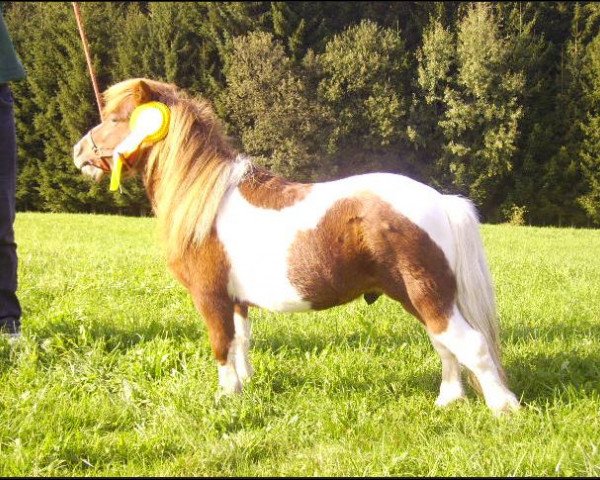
[590,147]
[562,181]
[476,96]
[270,108]
[365,81]
[497,101]
[29,143]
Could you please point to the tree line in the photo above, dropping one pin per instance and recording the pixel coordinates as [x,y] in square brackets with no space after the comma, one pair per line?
[498,101]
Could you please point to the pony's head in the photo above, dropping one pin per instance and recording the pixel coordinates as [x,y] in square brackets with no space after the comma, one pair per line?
[186,173]
[93,154]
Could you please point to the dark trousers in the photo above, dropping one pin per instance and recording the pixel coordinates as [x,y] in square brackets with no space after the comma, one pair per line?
[10,310]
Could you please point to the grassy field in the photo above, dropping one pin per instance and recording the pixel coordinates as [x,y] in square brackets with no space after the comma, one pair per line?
[114,375]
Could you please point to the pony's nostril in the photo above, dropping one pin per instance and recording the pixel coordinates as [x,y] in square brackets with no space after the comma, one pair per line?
[77,149]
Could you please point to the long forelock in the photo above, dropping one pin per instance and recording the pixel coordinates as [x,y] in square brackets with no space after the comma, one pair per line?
[124,92]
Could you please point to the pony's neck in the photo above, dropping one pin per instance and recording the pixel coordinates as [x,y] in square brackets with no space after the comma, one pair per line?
[186,196]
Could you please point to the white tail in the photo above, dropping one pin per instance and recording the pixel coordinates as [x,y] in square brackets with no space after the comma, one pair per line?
[475,289]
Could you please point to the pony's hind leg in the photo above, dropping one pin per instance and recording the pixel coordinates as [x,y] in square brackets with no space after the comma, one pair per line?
[242,342]
[430,298]
[451,388]
[470,348]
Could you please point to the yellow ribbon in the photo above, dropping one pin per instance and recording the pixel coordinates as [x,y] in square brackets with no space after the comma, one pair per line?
[149,123]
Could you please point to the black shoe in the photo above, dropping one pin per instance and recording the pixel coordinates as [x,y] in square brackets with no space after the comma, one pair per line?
[10,326]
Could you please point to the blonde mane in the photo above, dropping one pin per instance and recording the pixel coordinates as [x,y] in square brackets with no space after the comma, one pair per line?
[186,174]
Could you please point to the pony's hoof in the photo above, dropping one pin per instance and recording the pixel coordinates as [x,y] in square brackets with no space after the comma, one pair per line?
[245,373]
[508,404]
[444,401]
[449,393]
[223,393]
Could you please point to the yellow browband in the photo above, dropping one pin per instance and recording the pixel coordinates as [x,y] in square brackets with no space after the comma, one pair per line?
[149,123]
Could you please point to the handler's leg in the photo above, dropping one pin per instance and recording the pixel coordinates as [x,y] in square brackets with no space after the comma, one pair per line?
[10,310]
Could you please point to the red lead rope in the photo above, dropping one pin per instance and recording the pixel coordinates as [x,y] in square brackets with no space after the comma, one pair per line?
[87,56]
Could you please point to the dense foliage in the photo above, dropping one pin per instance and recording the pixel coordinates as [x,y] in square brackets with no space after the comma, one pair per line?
[496,101]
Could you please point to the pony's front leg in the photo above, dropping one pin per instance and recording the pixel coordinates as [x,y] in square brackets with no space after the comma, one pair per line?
[217,311]
[242,342]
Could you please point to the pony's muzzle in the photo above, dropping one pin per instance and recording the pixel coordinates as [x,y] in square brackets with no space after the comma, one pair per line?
[85,160]
[80,157]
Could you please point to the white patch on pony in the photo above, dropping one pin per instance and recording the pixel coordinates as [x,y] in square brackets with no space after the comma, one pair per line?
[257,240]
[451,388]
[241,345]
[470,348]
[229,382]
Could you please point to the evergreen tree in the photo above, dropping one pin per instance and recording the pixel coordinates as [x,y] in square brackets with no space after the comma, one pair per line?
[529,27]
[479,109]
[65,107]
[151,47]
[365,80]
[29,143]
[496,101]
[436,66]
[590,148]
[561,179]
[268,104]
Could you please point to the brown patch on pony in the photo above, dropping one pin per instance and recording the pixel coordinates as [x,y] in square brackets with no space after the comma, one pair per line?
[241,309]
[204,271]
[362,245]
[332,264]
[264,189]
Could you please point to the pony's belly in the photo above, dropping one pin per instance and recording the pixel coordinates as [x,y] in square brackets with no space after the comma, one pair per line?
[265,286]
[257,241]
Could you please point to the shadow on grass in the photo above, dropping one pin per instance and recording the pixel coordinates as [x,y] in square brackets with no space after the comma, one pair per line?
[48,342]
[120,336]
[368,373]
[356,381]
[314,342]
[546,374]
[538,377]
[68,334]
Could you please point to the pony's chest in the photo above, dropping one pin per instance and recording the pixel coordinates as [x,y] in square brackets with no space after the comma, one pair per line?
[257,242]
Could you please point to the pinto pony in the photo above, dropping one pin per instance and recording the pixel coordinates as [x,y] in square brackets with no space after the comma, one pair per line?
[237,235]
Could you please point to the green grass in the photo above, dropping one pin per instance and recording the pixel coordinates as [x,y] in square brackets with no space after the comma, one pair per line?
[114,375]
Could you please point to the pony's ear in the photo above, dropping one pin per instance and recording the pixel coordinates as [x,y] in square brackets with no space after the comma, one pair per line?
[143,92]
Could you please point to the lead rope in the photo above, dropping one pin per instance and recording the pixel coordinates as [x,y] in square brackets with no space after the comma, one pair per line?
[88,57]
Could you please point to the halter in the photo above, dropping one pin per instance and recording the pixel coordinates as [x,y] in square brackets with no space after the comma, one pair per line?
[149,123]
[102,164]
[103,153]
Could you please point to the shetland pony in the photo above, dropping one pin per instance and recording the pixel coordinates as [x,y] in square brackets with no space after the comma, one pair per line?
[237,235]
